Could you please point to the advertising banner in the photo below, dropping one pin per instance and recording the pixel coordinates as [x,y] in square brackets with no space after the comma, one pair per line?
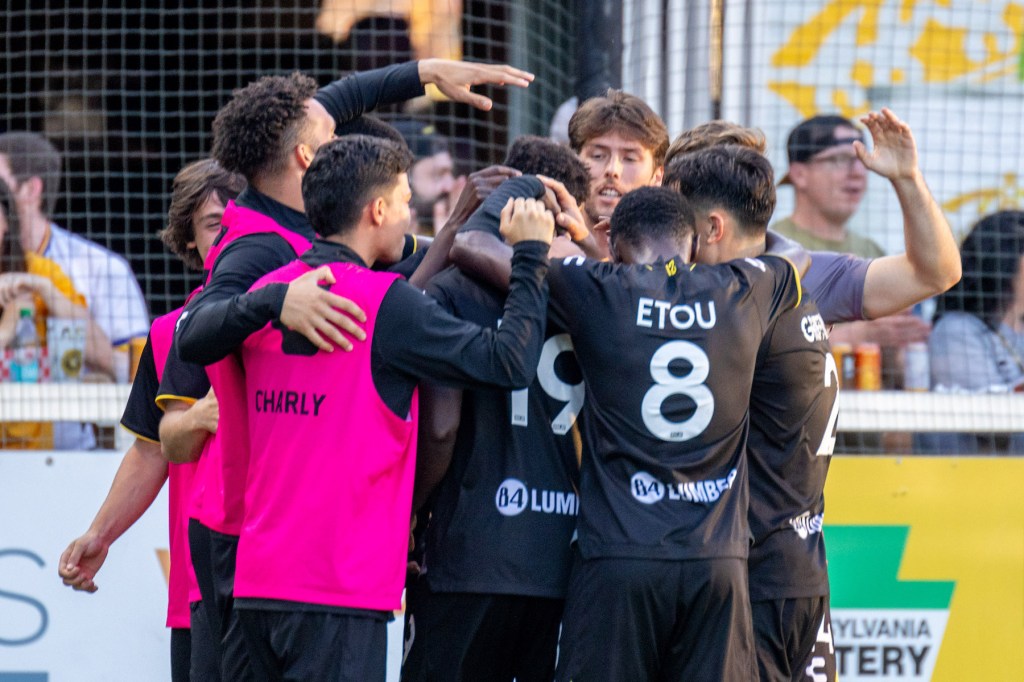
[926,564]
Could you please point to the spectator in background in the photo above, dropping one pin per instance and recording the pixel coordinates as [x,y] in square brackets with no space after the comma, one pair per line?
[977,342]
[31,167]
[829,182]
[432,176]
[28,280]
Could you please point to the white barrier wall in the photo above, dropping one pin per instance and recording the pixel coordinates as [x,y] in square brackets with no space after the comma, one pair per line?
[47,629]
[50,633]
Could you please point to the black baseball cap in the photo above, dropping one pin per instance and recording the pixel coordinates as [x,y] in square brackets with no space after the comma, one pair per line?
[815,135]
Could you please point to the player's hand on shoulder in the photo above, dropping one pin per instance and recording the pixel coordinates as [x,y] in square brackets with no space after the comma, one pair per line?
[527,220]
[320,315]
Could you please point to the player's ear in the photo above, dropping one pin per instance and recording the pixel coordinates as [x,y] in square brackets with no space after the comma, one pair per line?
[716,230]
[376,210]
[303,155]
[659,175]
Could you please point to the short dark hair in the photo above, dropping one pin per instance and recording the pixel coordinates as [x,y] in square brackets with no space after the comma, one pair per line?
[344,175]
[254,133]
[650,214]
[12,256]
[619,112]
[533,155]
[33,156]
[990,256]
[192,186]
[737,179]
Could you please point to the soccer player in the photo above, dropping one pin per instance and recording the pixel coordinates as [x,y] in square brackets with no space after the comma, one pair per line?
[489,602]
[623,143]
[667,351]
[269,132]
[199,194]
[793,402]
[321,558]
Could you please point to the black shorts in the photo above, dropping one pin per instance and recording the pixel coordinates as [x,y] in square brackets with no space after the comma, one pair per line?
[181,654]
[213,560]
[642,619]
[205,661]
[794,640]
[314,645]
[457,636]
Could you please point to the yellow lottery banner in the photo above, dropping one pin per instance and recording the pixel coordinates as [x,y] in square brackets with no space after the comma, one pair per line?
[926,563]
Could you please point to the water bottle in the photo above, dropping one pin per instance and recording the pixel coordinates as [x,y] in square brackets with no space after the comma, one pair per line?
[27,349]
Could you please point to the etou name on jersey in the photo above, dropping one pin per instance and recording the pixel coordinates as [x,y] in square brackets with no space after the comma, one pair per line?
[679,316]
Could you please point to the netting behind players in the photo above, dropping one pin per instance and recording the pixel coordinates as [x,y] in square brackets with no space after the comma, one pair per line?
[128,94]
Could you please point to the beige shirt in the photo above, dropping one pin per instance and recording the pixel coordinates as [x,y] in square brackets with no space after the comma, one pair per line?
[851,243]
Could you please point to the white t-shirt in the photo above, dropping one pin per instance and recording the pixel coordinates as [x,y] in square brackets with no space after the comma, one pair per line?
[113,297]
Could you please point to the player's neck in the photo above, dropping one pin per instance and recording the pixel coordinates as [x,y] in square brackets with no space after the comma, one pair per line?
[360,241]
[282,189]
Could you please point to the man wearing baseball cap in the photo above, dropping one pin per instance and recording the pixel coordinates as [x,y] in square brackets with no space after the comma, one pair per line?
[829,181]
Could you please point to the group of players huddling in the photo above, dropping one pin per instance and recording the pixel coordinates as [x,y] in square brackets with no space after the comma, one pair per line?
[611,416]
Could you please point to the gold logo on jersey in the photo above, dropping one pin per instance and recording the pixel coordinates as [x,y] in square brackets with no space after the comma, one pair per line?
[670,268]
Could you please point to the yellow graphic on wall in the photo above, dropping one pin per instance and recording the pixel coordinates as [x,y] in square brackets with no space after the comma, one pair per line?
[928,38]
[963,521]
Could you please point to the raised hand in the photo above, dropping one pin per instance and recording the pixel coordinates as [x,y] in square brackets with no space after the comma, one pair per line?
[895,153]
[455,78]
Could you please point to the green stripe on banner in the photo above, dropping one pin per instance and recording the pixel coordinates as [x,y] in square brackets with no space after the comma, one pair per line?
[864,565]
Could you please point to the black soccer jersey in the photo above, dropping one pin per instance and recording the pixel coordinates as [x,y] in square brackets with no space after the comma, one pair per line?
[505,512]
[141,415]
[668,354]
[793,411]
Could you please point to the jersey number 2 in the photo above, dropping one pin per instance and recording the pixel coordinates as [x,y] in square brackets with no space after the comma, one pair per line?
[828,439]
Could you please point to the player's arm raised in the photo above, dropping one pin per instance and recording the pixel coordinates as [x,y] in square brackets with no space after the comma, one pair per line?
[931,263]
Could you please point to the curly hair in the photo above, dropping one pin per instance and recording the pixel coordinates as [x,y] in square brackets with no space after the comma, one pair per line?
[650,214]
[254,133]
[712,133]
[622,113]
[533,155]
[192,186]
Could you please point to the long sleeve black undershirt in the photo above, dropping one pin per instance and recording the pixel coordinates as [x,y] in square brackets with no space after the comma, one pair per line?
[224,315]
[415,339]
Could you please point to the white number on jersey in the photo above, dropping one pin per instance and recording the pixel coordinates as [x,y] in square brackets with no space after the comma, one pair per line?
[570,394]
[690,385]
[828,439]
